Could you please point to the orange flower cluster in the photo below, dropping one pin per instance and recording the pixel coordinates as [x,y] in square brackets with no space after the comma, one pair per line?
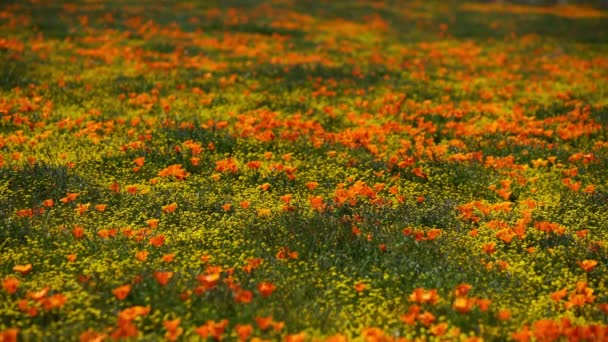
[212,329]
[421,235]
[174,170]
[226,165]
[580,296]
[126,326]
[41,299]
[554,330]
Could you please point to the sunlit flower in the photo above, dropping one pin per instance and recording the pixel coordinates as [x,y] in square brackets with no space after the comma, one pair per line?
[463,304]
[23,269]
[588,265]
[169,208]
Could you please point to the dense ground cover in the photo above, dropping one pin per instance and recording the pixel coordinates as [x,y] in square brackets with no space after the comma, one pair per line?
[299,170]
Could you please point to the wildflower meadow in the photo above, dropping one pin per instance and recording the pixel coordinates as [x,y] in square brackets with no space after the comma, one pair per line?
[282,170]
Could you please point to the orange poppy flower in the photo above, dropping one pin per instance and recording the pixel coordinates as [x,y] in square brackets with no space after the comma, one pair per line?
[316,203]
[489,248]
[69,197]
[132,189]
[426,318]
[169,208]
[359,287]
[48,202]
[421,295]
[163,277]
[9,335]
[547,330]
[157,241]
[523,335]
[243,296]
[133,312]
[483,304]
[115,187]
[127,231]
[266,288]
[301,337]
[503,315]
[373,334]
[38,295]
[588,265]
[209,281]
[173,329]
[312,185]
[174,170]
[25,213]
[419,173]
[263,322]
[92,336]
[122,292]
[226,165]
[213,329]
[152,223]
[106,233]
[23,269]
[205,258]
[439,329]
[286,198]
[337,338]
[502,264]
[254,164]
[139,161]
[243,331]
[10,284]
[463,304]
[82,208]
[589,189]
[462,289]
[433,234]
[141,255]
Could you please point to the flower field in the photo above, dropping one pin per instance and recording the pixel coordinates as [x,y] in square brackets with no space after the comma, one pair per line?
[286,170]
